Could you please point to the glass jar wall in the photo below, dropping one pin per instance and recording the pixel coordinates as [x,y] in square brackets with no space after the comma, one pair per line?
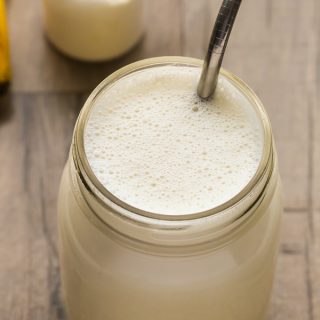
[121,263]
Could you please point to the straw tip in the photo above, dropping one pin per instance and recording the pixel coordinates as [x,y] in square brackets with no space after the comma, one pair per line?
[206,89]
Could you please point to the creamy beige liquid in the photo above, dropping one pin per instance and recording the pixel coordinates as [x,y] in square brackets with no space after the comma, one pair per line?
[94,29]
[153,144]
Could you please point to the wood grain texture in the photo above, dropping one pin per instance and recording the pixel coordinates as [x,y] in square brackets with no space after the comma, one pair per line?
[290,298]
[33,155]
[274,47]
[314,261]
[47,70]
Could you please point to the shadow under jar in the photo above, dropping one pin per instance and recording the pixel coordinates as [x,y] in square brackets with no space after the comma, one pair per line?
[121,259]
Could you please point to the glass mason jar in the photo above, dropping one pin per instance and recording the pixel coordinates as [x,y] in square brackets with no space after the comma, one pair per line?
[94,30]
[122,263]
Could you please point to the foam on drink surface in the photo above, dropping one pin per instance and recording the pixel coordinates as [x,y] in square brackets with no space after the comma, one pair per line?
[156,146]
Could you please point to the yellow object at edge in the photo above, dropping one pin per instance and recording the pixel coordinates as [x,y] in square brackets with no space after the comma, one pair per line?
[5,73]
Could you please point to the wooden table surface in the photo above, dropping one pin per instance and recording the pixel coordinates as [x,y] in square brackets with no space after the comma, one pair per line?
[275,48]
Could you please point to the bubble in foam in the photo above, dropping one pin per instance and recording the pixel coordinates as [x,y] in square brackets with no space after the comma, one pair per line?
[161,149]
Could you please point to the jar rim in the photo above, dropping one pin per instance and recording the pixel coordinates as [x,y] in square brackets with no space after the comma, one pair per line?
[107,199]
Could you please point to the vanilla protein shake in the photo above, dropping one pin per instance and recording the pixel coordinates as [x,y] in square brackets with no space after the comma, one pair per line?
[94,30]
[169,206]
[155,145]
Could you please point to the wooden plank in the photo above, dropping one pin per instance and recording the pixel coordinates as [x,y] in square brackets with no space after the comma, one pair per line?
[47,70]
[163,35]
[316,164]
[314,256]
[294,233]
[290,300]
[14,238]
[33,154]
[314,214]
[197,25]
[314,260]
[315,134]
[314,170]
[49,120]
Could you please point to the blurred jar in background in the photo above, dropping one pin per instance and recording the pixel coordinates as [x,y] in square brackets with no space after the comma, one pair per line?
[94,30]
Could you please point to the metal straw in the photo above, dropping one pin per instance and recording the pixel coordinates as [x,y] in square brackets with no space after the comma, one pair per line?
[217,46]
